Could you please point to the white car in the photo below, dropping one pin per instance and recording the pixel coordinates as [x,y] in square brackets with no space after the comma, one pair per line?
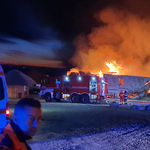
[47,94]
[4,109]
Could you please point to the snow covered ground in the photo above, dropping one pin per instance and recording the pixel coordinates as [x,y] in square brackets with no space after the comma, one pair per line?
[129,138]
[133,137]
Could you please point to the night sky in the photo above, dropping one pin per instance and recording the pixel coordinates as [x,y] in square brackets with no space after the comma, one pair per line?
[76,33]
[42,32]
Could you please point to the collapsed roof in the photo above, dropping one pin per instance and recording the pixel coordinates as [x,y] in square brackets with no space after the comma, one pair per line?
[133,84]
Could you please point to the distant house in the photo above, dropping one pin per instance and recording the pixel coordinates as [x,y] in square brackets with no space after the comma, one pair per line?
[18,84]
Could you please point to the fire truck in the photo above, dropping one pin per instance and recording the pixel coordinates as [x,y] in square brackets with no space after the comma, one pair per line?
[75,87]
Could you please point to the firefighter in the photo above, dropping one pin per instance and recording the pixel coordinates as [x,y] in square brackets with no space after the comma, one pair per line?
[121,94]
[24,125]
[125,97]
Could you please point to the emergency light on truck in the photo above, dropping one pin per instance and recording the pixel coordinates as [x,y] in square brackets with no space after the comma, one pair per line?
[79,78]
[93,78]
[66,78]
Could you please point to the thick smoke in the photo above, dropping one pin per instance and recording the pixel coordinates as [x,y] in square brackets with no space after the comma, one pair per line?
[124,37]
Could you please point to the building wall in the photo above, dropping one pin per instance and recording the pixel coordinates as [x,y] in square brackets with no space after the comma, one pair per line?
[17,91]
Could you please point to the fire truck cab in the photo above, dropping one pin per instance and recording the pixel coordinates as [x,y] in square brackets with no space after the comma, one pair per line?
[77,88]
[4,109]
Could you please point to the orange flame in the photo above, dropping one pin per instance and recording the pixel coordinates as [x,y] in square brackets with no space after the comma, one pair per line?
[148,91]
[147,82]
[74,70]
[99,73]
[113,67]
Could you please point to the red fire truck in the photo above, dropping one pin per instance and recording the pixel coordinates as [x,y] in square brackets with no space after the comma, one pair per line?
[77,88]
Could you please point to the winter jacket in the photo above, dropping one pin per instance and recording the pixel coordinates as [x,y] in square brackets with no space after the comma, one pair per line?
[13,138]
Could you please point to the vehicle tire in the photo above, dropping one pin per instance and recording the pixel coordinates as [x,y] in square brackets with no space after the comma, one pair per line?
[47,97]
[75,98]
[57,96]
[85,98]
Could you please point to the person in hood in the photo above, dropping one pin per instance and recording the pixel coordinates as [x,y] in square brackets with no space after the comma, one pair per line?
[25,122]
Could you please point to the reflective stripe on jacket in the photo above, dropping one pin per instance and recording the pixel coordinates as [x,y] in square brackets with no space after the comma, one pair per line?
[121,94]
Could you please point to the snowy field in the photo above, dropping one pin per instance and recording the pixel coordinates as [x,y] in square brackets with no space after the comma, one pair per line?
[132,137]
[129,138]
[136,136]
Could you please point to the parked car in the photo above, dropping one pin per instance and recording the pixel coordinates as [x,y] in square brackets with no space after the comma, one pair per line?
[34,90]
[4,109]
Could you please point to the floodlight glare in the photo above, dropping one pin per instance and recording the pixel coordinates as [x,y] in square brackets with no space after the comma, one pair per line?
[79,78]
[93,78]
[66,78]
[102,80]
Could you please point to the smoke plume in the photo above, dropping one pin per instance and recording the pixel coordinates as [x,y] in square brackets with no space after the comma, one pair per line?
[124,38]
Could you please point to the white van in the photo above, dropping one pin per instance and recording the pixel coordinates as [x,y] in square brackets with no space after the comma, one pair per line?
[4,109]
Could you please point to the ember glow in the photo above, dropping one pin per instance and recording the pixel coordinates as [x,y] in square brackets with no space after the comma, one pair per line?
[113,67]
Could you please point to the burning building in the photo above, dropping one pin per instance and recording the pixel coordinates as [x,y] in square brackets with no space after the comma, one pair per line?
[136,86]
[121,46]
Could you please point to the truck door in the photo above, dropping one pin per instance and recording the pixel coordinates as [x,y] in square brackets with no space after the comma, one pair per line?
[66,84]
[93,86]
